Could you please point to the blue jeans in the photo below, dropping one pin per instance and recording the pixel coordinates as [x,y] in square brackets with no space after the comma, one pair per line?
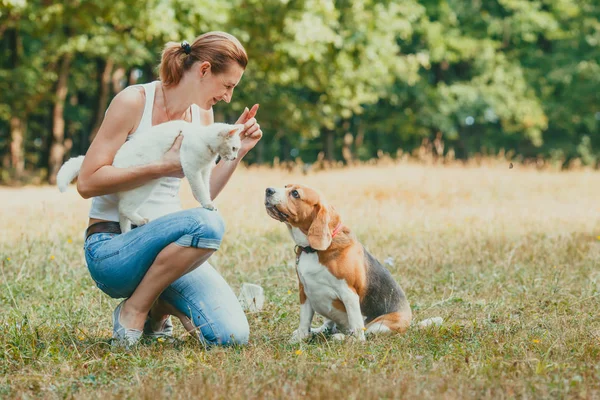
[118,262]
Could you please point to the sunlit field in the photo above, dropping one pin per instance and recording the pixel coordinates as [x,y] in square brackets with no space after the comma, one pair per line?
[509,258]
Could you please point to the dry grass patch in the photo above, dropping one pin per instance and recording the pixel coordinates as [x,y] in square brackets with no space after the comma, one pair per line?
[509,259]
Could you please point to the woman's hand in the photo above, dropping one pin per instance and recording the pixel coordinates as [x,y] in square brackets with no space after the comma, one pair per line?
[171,163]
[251,133]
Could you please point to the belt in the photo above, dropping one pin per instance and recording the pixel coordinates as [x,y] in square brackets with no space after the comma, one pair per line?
[104,227]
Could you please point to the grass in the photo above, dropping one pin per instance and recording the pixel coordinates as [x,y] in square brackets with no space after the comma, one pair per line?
[508,257]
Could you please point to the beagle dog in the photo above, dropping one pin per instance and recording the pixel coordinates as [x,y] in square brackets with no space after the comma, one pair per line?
[338,277]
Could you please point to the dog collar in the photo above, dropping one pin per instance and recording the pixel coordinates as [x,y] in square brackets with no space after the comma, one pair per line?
[308,249]
[336,230]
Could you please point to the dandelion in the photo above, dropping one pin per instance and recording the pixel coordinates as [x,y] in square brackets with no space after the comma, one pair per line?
[298,352]
[69,240]
[598,237]
[161,339]
[80,337]
[289,292]
[7,258]
[52,257]
[536,340]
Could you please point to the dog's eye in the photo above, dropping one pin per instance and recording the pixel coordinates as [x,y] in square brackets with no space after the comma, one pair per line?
[234,148]
[295,194]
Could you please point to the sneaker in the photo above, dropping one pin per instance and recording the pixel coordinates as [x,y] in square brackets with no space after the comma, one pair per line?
[123,337]
[165,332]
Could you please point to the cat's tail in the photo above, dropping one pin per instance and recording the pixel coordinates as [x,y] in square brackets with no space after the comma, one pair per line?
[68,172]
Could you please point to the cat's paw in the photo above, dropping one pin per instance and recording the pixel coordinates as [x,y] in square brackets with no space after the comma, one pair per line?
[210,206]
[139,221]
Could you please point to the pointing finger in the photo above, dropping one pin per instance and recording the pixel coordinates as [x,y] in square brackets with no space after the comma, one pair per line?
[243,117]
[253,111]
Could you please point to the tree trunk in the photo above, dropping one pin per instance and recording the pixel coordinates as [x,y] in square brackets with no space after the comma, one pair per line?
[360,140]
[17,161]
[117,76]
[17,124]
[57,150]
[132,76]
[330,145]
[5,163]
[104,85]
[347,142]
[347,149]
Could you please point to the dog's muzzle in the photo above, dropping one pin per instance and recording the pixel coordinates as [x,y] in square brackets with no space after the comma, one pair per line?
[272,209]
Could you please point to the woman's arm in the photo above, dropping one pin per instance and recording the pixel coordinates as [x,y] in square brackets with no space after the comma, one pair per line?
[97,175]
[220,176]
[224,169]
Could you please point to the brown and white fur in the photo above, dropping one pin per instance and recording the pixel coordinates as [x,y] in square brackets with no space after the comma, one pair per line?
[341,280]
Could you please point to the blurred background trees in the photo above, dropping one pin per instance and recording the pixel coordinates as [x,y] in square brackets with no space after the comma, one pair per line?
[348,79]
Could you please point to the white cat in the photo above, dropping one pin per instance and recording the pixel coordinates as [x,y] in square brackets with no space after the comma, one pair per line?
[199,149]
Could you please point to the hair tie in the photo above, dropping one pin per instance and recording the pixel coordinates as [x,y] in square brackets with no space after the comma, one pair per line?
[186,47]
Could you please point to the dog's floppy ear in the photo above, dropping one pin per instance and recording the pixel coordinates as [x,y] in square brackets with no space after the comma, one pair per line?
[319,236]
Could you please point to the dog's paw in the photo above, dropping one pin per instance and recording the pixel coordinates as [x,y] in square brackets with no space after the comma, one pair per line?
[338,337]
[357,335]
[323,329]
[298,336]
[327,328]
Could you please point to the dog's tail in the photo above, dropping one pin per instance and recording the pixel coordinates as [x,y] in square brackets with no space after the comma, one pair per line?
[68,172]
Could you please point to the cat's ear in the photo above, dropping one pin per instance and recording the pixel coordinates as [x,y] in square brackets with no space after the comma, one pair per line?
[236,129]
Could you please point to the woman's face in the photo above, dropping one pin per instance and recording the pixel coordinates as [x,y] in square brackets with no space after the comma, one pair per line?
[217,87]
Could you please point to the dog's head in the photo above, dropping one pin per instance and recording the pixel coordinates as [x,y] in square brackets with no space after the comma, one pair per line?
[303,208]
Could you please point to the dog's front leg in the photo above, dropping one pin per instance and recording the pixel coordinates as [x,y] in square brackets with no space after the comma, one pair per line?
[306,316]
[356,323]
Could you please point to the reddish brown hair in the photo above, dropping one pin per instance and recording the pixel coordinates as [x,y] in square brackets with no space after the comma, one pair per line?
[220,49]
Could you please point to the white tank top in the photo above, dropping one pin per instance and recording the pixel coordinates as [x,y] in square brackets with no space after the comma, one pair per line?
[165,197]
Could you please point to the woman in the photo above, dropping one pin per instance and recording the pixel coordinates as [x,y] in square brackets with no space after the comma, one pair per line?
[161,268]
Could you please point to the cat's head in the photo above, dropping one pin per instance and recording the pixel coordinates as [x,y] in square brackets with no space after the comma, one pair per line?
[229,142]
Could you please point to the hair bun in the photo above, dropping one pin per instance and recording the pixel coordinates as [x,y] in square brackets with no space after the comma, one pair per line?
[186,47]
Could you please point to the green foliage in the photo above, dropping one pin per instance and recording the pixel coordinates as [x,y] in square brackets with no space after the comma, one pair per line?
[509,74]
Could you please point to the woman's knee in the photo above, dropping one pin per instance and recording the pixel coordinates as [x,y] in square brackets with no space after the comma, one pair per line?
[204,229]
[233,333]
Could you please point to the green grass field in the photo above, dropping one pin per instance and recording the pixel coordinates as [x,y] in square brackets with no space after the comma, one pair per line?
[508,257]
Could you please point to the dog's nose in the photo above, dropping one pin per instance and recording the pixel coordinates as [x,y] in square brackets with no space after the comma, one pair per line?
[270,191]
